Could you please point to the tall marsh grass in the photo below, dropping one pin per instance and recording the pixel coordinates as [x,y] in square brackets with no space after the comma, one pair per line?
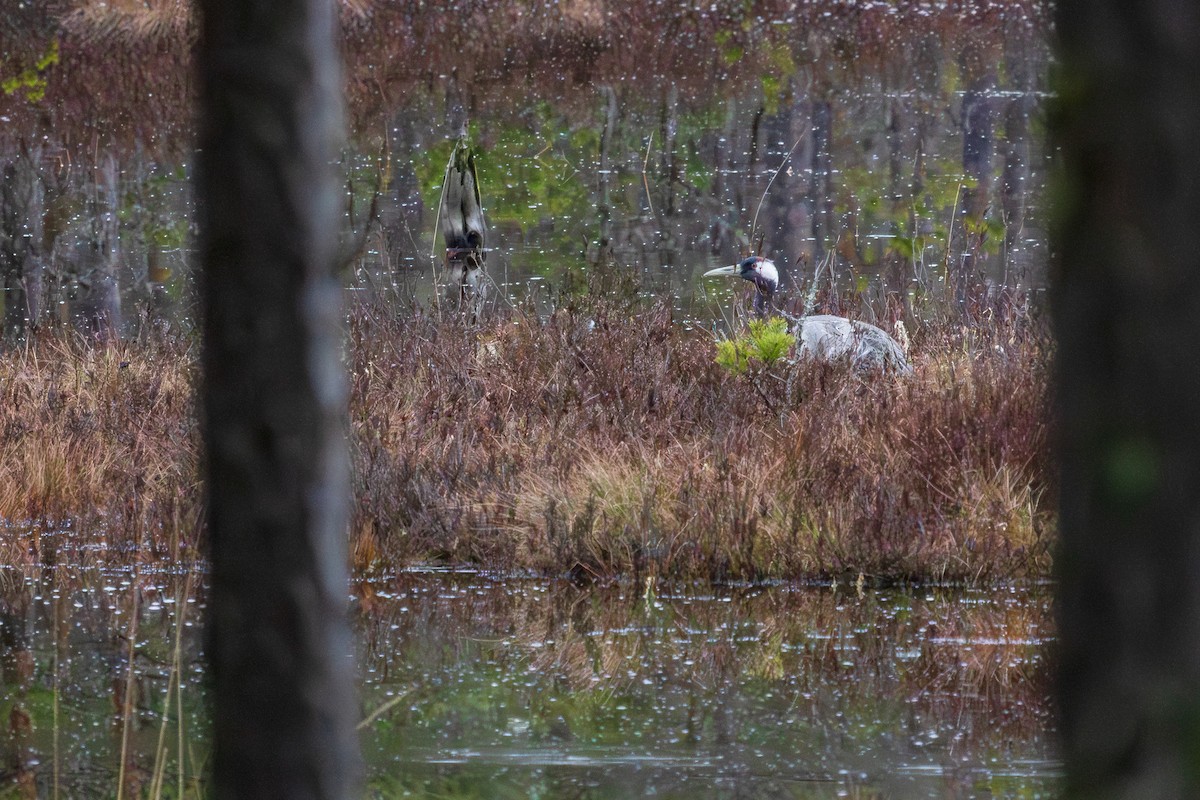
[98,449]
[598,442]
[601,442]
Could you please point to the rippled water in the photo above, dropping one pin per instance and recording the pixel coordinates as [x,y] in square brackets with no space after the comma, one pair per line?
[899,145]
[481,686]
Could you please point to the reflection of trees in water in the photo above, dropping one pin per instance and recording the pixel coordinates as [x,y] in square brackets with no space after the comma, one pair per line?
[819,676]
[65,646]
[814,678]
[886,105]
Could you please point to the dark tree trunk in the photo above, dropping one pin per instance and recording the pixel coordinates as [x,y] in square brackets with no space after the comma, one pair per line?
[785,222]
[978,130]
[978,145]
[604,202]
[93,257]
[1016,179]
[896,128]
[22,209]
[1019,110]
[403,216]
[273,400]
[670,164]
[1126,303]
[824,215]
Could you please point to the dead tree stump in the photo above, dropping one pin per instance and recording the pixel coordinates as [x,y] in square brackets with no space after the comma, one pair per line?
[464,232]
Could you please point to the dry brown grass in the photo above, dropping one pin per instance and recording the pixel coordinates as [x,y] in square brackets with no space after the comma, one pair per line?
[98,448]
[600,442]
[606,443]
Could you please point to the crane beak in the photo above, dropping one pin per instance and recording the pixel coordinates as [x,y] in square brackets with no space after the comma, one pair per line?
[732,271]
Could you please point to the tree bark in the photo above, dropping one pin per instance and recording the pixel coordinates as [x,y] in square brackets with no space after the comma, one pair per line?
[22,207]
[978,131]
[274,400]
[604,202]
[1126,305]
[94,256]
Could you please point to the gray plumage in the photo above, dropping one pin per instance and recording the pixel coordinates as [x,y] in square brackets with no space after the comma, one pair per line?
[823,337]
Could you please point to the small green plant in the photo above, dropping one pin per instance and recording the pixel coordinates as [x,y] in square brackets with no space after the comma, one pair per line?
[766,341]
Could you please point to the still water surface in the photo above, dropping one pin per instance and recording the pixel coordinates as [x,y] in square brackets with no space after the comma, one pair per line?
[898,146]
[481,686]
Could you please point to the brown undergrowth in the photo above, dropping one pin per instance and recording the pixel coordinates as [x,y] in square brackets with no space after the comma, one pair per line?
[98,451]
[598,442]
[602,443]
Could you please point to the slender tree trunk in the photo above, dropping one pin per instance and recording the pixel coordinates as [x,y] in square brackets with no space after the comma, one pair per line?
[1019,110]
[670,163]
[1014,196]
[604,202]
[403,216]
[978,130]
[1126,304]
[273,400]
[22,208]
[785,218]
[93,256]
[824,213]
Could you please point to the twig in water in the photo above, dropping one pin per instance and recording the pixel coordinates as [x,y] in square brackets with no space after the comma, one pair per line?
[383,709]
[645,182]
[782,164]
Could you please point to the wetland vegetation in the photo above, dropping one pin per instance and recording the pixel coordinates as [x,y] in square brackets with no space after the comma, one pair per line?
[601,442]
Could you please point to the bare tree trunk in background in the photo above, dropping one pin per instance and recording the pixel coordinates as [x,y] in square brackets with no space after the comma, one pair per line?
[1126,303]
[1019,110]
[978,129]
[604,201]
[785,218]
[93,256]
[670,165]
[22,207]
[822,192]
[273,399]
[403,215]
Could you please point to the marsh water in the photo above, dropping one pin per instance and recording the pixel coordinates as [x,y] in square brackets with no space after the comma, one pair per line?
[898,147]
[475,685]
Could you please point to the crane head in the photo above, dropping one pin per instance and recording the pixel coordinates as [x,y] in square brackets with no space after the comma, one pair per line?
[761,271]
[755,268]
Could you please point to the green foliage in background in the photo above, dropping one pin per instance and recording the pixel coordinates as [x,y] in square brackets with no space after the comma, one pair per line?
[529,182]
[32,80]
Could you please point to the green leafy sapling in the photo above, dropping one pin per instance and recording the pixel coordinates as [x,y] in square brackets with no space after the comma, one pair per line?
[764,341]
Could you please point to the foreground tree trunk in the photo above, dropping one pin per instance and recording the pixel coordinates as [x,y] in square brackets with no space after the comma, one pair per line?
[273,400]
[1127,306]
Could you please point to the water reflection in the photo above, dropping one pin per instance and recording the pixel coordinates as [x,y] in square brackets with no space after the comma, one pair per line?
[758,692]
[900,143]
[475,685]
